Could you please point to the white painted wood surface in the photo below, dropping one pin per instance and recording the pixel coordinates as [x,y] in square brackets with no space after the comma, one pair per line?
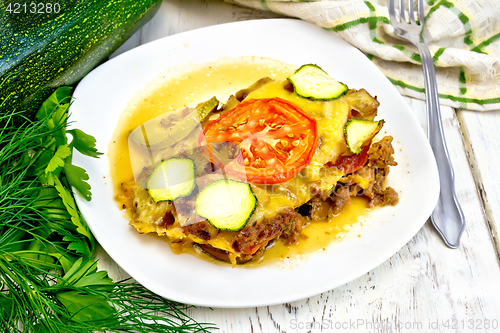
[425,286]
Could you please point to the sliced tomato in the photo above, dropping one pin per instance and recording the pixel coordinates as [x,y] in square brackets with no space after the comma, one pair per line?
[276,139]
[351,163]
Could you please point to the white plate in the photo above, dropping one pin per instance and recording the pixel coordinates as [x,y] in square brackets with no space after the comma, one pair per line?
[103,94]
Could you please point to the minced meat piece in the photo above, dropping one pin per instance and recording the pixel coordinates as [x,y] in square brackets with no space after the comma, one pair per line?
[375,171]
[286,224]
[340,198]
[202,230]
[380,153]
[388,197]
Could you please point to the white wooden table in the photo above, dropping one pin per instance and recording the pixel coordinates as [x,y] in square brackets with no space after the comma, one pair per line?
[425,286]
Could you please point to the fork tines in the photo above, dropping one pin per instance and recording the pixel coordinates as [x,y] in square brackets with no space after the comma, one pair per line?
[402,15]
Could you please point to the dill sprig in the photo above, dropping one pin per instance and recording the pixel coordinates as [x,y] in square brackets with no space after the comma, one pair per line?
[49,280]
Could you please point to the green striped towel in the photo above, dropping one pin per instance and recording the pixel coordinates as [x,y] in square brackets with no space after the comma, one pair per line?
[465,43]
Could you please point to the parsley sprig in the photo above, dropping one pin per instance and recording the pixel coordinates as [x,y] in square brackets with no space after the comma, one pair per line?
[49,281]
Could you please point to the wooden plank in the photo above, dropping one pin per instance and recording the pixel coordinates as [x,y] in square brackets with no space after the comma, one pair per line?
[176,16]
[481,132]
[181,15]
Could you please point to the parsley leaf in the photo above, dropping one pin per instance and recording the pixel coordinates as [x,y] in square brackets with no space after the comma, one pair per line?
[62,95]
[41,162]
[77,244]
[50,203]
[57,161]
[70,205]
[55,110]
[84,273]
[77,177]
[85,307]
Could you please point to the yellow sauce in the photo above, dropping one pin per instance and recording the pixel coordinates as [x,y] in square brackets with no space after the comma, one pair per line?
[317,236]
[189,86]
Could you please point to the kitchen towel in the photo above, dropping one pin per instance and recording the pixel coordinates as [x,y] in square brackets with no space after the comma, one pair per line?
[463,38]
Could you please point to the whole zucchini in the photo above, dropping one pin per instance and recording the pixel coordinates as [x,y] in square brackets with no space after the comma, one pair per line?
[37,55]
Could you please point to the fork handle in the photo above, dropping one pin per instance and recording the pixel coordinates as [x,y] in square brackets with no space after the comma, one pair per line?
[448,218]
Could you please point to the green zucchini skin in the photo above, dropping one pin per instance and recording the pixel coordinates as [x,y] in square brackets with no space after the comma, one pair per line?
[34,61]
[213,204]
[181,169]
[312,82]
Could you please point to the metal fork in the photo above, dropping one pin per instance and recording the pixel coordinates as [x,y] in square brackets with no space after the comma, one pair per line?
[447,218]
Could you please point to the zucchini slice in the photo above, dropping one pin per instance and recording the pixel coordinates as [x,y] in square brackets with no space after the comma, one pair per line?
[205,108]
[227,204]
[310,81]
[171,179]
[358,132]
[161,133]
